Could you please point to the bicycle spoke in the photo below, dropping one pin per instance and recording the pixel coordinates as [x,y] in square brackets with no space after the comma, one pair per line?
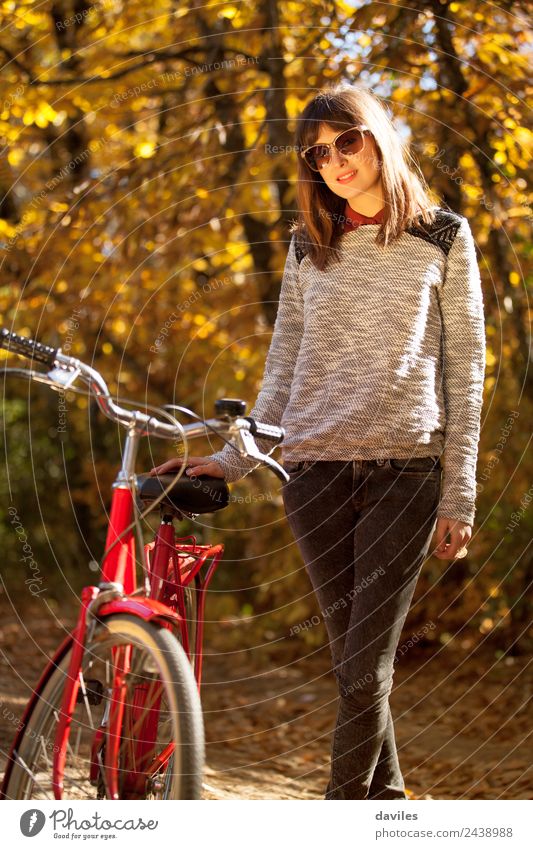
[31,774]
[45,753]
[78,740]
[81,787]
[86,700]
[103,774]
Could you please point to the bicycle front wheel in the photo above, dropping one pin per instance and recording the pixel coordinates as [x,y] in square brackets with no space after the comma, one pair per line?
[161,749]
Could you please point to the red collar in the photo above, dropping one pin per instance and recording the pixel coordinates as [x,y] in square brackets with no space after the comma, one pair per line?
[354,219]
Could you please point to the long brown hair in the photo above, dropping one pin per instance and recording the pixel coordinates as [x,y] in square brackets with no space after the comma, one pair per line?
[321,212]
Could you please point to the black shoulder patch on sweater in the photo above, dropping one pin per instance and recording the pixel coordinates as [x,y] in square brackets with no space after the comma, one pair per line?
[300,250]
[441,233]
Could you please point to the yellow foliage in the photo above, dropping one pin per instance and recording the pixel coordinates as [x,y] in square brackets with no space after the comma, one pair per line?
[228,12]
[170,160]
[491,359]
[144,149]
[15,156]
[119,326]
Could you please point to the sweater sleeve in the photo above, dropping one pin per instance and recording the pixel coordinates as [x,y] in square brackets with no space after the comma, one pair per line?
[464,360]
[278,372]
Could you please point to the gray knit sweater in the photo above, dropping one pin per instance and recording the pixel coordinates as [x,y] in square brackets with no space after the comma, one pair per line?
[380,355]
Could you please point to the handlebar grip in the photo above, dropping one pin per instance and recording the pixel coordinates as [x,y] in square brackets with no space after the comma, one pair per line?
[265,431]
[27,347]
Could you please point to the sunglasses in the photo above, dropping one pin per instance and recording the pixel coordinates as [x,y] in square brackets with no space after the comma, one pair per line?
[347,142]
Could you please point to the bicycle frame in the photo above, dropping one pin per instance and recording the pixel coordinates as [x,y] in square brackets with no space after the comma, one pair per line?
[117,593]
[167,572]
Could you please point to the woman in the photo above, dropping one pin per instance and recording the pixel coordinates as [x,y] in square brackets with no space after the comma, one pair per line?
[375,370]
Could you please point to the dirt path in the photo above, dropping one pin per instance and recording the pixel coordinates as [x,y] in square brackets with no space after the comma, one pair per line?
[462,721]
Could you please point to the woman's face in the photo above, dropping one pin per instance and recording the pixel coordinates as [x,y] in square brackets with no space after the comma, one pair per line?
[363,166]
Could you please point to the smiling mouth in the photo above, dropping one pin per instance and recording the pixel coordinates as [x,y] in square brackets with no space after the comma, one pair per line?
[345,178]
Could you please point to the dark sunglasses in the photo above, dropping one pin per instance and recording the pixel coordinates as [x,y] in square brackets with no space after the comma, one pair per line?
[347,142]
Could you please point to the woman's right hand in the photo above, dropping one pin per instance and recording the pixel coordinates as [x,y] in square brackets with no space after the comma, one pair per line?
[195,466]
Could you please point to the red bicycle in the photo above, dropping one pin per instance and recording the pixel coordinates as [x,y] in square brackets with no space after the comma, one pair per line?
[117,713]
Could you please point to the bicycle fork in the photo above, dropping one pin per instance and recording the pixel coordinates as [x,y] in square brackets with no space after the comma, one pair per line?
[70,693]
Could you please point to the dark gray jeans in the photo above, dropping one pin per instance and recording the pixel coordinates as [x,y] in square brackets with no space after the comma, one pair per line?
[363,528]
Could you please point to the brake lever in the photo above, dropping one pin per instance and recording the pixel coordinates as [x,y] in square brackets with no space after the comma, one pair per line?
[252,451]
[28,373]
[278,470]
[64,377]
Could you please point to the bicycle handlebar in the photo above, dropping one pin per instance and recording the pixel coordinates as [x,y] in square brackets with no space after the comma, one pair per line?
[262,430]
[27,347]
[65,370]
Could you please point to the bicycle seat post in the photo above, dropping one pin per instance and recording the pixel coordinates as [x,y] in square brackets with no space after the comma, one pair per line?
[165,542]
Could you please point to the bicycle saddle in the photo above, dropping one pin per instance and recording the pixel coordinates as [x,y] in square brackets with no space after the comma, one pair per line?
[201,494]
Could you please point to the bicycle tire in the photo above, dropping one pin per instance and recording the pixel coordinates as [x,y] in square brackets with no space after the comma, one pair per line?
[31,775]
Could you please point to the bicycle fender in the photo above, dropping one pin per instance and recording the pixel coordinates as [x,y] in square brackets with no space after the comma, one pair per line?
[146,608]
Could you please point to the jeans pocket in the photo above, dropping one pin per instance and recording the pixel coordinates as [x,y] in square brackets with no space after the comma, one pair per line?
[414,466]
[295,467]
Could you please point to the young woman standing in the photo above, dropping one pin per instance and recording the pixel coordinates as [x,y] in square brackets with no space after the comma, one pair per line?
[375,370]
